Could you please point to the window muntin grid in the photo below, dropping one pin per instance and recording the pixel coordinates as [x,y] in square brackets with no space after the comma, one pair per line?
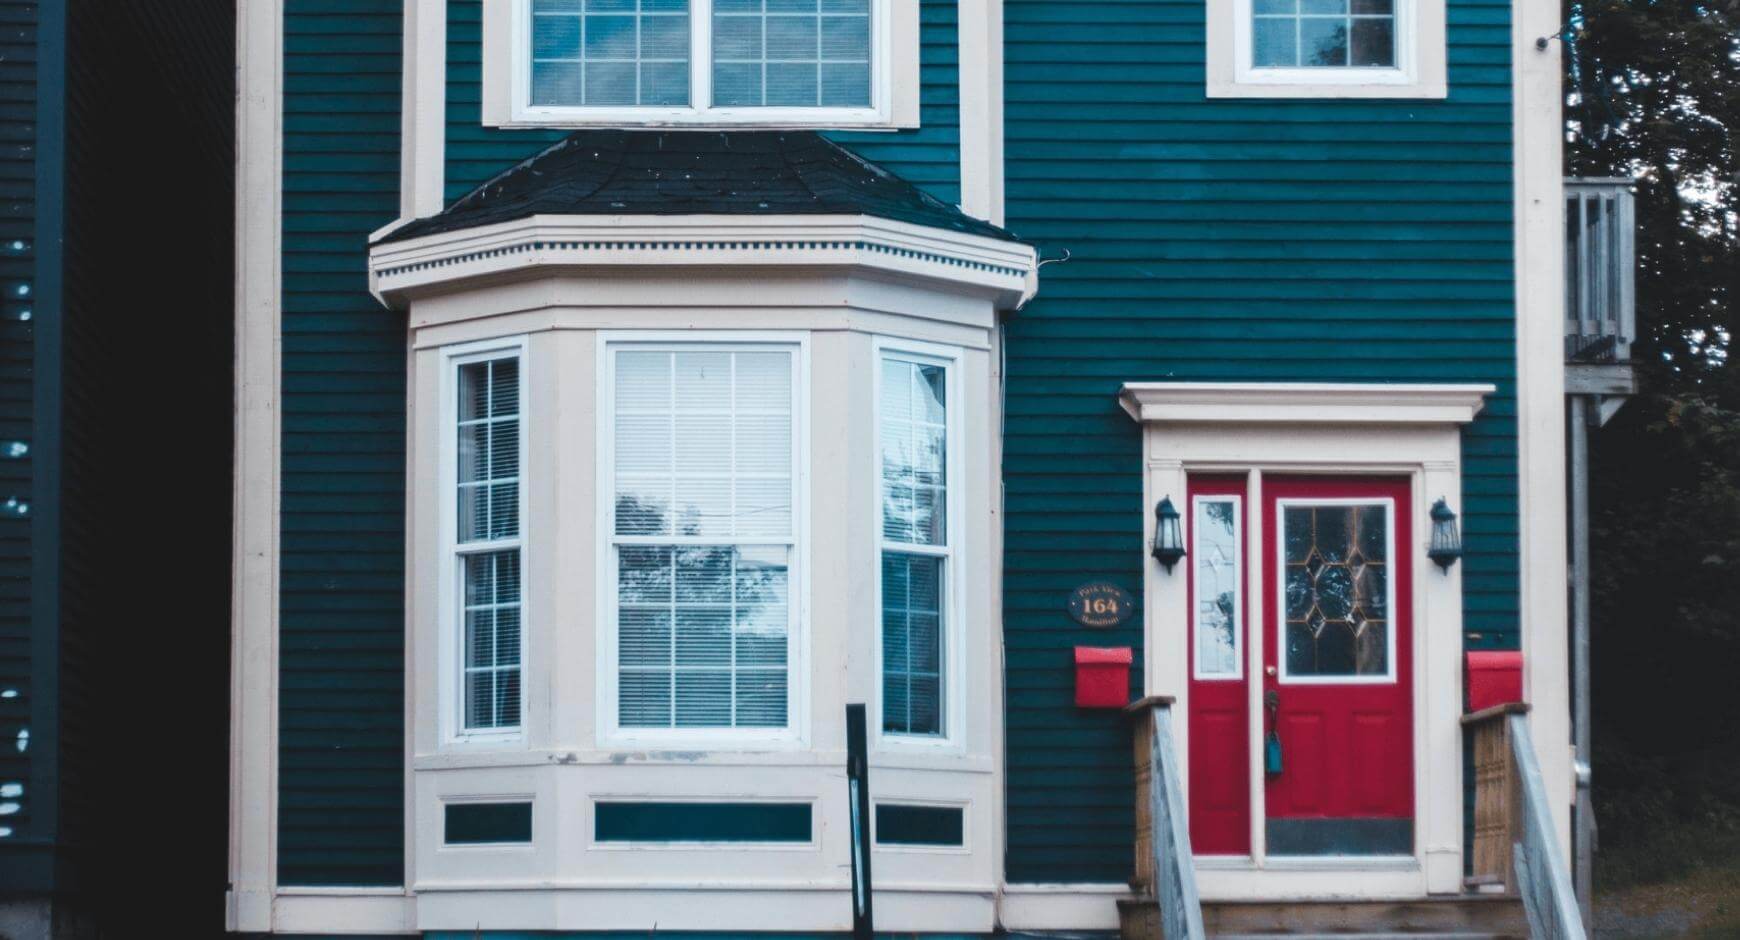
[603,53]
[913,443]
[488,446]
[703,535]
[1323,34]
[791,53]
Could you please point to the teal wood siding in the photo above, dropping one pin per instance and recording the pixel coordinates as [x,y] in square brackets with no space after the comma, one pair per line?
[23,846]
[341,632]
[928,156]
[1221,241]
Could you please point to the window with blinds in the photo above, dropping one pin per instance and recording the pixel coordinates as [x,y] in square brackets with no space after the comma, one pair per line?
[702,534]
[487,546]
[701,54]
[916,543]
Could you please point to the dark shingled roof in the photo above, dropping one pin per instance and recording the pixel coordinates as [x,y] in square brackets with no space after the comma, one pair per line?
[613,172]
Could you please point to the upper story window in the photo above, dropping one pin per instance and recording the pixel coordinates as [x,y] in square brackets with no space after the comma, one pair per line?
[1326,49]
[785,63]
[1323,34]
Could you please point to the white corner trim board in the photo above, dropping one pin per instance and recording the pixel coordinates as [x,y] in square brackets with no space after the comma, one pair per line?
[1537,103]
[254,577]
[1003,269]
[1302,403]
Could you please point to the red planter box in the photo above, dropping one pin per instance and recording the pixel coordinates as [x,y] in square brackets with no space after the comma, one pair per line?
[1102,676]
[1494,678]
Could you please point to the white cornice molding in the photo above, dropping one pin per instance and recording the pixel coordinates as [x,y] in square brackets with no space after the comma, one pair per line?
[533,247]
[1301,403]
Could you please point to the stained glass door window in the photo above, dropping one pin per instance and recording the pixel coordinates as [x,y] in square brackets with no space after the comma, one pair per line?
[1336,590]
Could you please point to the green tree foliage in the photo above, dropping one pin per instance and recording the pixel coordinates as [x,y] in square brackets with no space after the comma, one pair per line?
[1653,93]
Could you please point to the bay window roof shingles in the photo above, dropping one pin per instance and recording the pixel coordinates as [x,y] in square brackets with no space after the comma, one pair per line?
[618,172]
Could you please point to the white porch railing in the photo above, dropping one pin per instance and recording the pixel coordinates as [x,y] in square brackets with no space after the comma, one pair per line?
[1600,270]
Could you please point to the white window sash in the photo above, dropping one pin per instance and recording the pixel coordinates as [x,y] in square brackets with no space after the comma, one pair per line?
[701,109]
[608,675]
[952,676]
[451,583]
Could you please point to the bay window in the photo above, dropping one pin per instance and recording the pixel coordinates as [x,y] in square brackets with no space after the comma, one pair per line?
[702,534]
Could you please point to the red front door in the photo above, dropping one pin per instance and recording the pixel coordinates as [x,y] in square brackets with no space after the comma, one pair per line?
[1338,754]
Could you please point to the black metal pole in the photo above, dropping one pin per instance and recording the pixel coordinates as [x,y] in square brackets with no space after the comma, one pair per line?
[858,783]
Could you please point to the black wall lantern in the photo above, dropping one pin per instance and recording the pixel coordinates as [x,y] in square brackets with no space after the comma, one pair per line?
[1446,544]
[1168,535]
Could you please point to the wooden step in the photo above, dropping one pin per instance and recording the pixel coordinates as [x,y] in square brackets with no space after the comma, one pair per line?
[1464,917]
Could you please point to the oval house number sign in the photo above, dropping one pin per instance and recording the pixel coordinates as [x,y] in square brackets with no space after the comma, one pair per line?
[1100,604]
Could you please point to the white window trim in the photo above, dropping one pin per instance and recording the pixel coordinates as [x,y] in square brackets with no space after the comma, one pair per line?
[1391,564]
[954,675]
[894,79]
[1238,533]
[795,734]
[1420,70]
[450,582]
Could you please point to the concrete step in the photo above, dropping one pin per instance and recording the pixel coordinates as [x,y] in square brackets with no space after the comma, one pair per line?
[1462,917]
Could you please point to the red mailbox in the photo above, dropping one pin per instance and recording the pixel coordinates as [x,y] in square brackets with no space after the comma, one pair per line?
[1494,678]
[1102,676]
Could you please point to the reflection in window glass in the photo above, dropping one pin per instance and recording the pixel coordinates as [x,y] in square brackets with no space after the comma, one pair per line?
[703,445]
[791,53]
[1218,614]
[488,481]
[913,432]
[1336,589]
[610,53]
[1323,33]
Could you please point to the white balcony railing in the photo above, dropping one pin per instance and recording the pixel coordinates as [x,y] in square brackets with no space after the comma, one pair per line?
[1600,270]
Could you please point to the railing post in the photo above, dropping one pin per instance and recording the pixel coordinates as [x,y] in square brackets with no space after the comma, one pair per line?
[1164,863]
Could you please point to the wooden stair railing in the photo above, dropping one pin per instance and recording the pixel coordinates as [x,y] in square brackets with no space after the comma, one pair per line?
[1515,844]
[1165,867]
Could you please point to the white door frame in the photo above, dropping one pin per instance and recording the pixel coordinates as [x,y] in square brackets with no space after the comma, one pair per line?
[1259,430]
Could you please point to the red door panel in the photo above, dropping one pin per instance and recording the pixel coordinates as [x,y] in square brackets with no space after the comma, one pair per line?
[1219,721]
[1338,666]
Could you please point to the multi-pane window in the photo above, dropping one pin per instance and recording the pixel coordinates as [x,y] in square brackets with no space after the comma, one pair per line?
[794,53]
[703,534]
[913,432]
[1217,589]
[610,52]
[488,542]
[1323,33]
[745,54]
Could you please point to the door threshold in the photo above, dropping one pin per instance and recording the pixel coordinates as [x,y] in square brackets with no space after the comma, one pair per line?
[1341,862]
